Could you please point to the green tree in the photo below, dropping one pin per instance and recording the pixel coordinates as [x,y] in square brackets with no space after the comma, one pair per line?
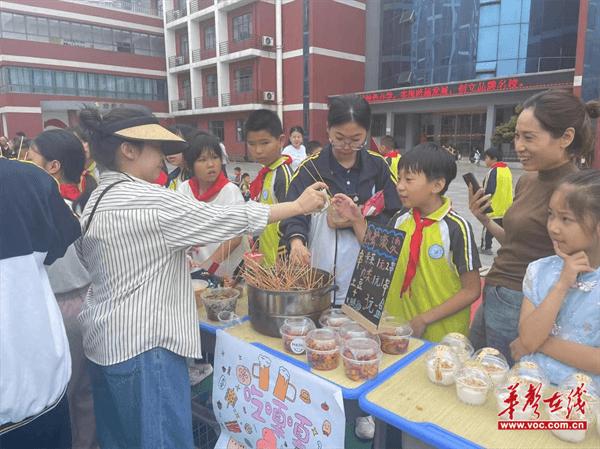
[505,132]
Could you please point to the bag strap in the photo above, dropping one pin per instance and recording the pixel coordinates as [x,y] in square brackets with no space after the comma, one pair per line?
[89,222]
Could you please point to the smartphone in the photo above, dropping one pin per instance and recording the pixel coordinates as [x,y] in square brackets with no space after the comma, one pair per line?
[470,180]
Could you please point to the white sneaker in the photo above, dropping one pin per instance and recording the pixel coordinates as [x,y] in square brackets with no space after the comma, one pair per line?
[364,428]
[199,372]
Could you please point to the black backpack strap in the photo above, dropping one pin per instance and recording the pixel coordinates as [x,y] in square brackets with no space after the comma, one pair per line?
[89,222]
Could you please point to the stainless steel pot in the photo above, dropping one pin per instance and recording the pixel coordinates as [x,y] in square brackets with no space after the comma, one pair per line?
[268,309]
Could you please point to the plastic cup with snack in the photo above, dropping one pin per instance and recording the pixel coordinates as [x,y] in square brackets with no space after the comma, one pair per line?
[395,335]
[526,373]
[228,318]
[442,364]
[472,383]
[494,363]
[217,300]
[460,345]
[322,349]
[361,357]
[293,334]
[353,329]
[334,318]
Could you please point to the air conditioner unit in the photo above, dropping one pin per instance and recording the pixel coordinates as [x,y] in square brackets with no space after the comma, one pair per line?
[268,41]
[268,95]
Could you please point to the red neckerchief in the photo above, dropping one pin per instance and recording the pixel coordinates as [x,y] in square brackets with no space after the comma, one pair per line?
[256,186]
[499,165]
[212,191]
[392,154]
[162,179]
[69,191]
[415,248]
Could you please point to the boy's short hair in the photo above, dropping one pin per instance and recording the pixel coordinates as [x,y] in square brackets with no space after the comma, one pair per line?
[388,141]
[244,175]
[237,169]
[431,160]
[494,153]
[264,120]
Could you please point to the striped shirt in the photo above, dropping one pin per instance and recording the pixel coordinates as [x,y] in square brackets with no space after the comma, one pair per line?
[135,251]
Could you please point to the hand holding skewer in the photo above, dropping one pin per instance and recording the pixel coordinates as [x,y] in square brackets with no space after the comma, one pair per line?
[313,199]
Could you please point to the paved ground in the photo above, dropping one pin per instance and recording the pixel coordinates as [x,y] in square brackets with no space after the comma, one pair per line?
[457,191]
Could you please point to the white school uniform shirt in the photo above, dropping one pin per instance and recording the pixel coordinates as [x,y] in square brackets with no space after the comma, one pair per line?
[230,194]
[297,155]
[141,295]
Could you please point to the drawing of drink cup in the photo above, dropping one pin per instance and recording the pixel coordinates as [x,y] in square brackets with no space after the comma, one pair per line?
[264,366]
[282,385]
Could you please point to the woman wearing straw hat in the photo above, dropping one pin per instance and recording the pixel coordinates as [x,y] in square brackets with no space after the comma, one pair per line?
[139,320]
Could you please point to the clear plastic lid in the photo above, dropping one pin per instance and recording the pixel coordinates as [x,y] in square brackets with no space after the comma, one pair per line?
[526,373]
[474,376]
[334,318]
[325,339]
[492,360]
[361,349]
[589,391]
[444,357]
[354,330]
[297,326]
[459,344]
[394,326]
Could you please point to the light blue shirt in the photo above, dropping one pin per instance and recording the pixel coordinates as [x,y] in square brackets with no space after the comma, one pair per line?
[578,319]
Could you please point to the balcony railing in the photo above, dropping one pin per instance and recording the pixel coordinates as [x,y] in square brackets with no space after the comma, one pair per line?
[206,102]
[250,97]
[252,41]
[181,105]
[175,14]
[178,60]
[202,54]
[199,5]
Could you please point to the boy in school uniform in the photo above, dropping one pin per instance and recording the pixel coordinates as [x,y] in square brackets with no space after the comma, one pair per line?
[387,148]
[437,275]
[265,140]
[498,184]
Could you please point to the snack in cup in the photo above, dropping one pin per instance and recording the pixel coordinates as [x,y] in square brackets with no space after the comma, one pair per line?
[217,300]
[570,435]
[322,349]
[334,318]
[293,334]
[494,363]
[442,364]
[394,334]
[361,357]
[526,373]
[472,384]
[354,330]
[460,345]
[502,394]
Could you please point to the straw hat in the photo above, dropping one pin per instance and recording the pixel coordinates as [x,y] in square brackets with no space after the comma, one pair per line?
[147,128]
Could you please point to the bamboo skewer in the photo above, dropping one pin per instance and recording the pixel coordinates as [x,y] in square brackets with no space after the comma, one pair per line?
[283,276]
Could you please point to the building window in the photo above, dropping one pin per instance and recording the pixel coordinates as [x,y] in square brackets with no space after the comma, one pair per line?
[239,130]
[217,127]
[242,27]
[243,80]
[378,125]
[62,32]
[211,85]
[58,82]
[209,38]
[184,48]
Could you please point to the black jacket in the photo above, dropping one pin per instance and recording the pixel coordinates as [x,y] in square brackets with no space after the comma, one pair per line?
[375,175]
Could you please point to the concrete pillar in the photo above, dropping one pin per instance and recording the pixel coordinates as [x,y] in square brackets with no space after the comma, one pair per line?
[389,123]
[490,125]
[437,127]
[411,131]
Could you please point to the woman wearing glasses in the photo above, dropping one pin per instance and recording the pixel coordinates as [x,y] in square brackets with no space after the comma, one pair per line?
[324,240]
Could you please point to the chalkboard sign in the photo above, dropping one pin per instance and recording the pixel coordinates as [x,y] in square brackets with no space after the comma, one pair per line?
[373,275]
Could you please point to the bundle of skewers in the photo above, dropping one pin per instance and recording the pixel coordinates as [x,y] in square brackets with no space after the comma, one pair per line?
[283,276]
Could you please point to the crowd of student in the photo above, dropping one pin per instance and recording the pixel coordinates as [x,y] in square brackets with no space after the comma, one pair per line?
[117,276]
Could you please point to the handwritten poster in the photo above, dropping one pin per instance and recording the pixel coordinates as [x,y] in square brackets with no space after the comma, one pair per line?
[373,275]
[263,402]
